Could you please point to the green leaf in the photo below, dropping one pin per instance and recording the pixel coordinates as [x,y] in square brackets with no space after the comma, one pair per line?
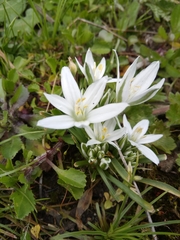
[128,17]
[166,143]
[175,19]
[76,192]
[9,86]
[20,97]
[35,146]
[11,148]
[172,71]
[9,181]
[161,185]
[52,62]
[72,177]
[101,47]
[31,133]
[178,160]
[20,62]
[13,75]
[145,51]
[174,98]
[162,32]
[119,169]
[139,112]
[143,203]
[13,8]
[106,36]
[84,34]
[173,114]
[24,201]
[25,24]
[2,92]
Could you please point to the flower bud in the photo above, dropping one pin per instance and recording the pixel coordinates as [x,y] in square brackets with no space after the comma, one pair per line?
[92,161]
[100,154]
[104,164]
[72,66]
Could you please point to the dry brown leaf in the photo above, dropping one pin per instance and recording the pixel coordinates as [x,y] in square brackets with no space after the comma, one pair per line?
[84,203]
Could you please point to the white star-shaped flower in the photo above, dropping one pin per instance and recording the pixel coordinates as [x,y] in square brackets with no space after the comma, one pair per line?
[136,136]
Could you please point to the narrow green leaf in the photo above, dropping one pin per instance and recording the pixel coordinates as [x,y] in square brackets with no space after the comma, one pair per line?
[24,202]
[119,169]
[175,19]
[2,92]
[163,186]
[144,204]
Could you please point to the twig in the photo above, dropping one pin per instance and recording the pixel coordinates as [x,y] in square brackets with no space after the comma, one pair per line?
[99,26]
[139,193]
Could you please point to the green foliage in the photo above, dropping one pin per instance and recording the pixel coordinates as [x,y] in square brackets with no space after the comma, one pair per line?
[129,16]
[72,179]
[36,39]
[11,9]
[23,200]
[175,21]
[166,143]
[11,148]
[173,114]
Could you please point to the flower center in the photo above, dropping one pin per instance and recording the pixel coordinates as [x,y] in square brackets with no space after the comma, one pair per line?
[80,108]
[100,67]
[134,89]
[136,133]
[104,133]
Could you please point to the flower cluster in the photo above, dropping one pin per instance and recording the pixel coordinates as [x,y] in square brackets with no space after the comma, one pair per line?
[91,109]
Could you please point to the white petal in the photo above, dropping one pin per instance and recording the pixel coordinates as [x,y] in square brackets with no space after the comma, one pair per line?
[56,122]
[149,138]
[92,142]
[94,93]
[81,124]
[80,67]
[89,59]
[141,128]
[114,145]
[145,78]
[117,134]
[148,153]
[59,103]
[69,86]
[100,69]
[127,125]
[90,132]
[144,96]
[98,130]
[106,112]
[128,76]
[110,124]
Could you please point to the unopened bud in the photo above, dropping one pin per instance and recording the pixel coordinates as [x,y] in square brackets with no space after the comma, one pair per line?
[72,66]
[104,164]
[92,161]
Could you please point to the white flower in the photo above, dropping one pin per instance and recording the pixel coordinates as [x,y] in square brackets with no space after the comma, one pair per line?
[137,138]
[103,133]
[78,107]
[90,68]
[136,89]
